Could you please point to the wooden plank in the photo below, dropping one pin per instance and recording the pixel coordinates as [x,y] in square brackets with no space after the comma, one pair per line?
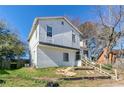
[99,69]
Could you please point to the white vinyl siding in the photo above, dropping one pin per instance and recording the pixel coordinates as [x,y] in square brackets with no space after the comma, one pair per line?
[55,32]
[53,57]
[61,34]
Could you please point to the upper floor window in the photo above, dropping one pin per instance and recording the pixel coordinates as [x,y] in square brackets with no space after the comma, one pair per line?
[73,37]
[49,31]
[62,23]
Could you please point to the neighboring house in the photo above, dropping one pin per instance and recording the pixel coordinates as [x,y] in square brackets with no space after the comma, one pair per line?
[84,47]
[114,56]
[102,56]
[53,42]
[89,42]
[89,48]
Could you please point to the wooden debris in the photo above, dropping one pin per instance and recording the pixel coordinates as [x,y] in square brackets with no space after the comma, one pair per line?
[66,72]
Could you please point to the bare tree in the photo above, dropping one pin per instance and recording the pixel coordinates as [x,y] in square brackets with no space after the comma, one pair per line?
[76,22]
[112,19]
[88,29]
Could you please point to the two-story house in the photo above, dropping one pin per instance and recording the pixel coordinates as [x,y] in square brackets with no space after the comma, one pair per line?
[53,42]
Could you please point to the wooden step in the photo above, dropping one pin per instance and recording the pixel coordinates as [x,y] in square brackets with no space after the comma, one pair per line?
[86,78]
[84,68]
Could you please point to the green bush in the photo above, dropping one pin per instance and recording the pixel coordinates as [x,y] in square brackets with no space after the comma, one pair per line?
[3,72]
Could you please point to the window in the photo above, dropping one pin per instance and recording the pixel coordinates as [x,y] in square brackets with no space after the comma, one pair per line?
[86,42]
[65,57]
[85,52]
[62,23]
[49,31]
[73,37]
[78,55]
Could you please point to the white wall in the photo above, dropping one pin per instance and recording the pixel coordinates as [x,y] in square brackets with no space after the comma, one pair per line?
[83,43]
[52,57]
[62,34]
[33,45]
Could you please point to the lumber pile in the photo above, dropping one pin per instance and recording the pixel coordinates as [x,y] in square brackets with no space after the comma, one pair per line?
[66,72]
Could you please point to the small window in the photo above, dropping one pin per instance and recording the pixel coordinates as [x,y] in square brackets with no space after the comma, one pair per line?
[86,42]
[49,31]
[65,57]
[62,23]
[73,37]
[85,52]
[78,55]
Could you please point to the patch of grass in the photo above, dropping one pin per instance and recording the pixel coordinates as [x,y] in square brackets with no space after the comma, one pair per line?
[30,77]
[3,72]
[29,73]
[25,76]
[19,82]
[107,66]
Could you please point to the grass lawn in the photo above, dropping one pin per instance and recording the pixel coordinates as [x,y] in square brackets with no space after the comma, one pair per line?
[27,77]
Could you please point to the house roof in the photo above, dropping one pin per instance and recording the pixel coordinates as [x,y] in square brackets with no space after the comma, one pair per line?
[41,18]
